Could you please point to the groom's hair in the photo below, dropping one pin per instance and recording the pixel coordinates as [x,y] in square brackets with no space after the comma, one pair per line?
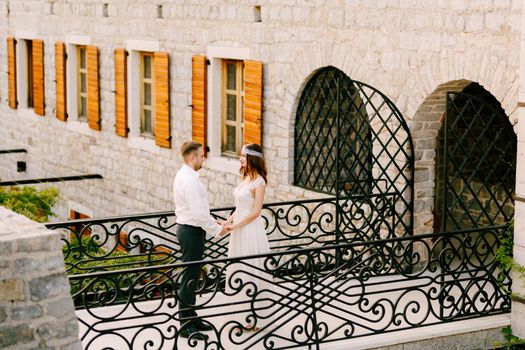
[188,147]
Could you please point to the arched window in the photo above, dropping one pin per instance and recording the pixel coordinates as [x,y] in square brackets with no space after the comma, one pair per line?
[352,142]
[332,136]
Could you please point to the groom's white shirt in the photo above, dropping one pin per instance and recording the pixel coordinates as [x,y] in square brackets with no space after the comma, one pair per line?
[191,201]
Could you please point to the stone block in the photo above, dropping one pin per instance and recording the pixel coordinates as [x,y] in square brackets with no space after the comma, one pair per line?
[425,144]
[5,248]
[433,344]
[4,268]
[519,223]
[474,23]
[26,312]
[35,244]
[15,335]
[57,308]
[58,330]
[394,347]
[48,286]
[475,340]
[501,4]
[25,265]
[3,314]
[517,317]
[74,345]
[519,254]
[520,161]
[494,21]
[11,290]
[421,174]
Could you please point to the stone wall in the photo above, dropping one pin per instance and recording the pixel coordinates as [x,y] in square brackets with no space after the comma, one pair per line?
[36,309]
[518,286]
[406,57]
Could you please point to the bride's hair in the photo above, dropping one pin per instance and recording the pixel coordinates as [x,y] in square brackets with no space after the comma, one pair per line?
[255,165]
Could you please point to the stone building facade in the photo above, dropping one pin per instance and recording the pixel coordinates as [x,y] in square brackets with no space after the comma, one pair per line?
[411,59]
[412,51]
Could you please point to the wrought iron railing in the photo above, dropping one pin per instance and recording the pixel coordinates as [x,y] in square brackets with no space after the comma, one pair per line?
[104,244]
[379,286]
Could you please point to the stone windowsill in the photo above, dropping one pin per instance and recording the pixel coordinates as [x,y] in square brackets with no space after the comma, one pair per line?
[144,144]
[223,164]
[81,127]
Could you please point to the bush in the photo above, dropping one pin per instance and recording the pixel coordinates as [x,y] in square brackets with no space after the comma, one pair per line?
[86,256]
[29,201]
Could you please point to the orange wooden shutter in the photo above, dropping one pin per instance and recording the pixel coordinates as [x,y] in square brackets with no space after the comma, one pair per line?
[60,76]
[38,77]
[92,88]
[11,71]
[162,99]
[198,99]
[253,88]
[121,86]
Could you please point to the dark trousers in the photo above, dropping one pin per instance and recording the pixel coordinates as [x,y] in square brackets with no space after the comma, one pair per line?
[191,240]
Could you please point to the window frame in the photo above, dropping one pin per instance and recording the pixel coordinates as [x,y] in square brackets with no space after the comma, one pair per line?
[81,71]
[24,40]
[72,41]
[30,77]
[143,107]
[134,47]
[238,92]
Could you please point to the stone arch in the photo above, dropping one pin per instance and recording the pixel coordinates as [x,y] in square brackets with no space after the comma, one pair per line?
[353,143]
[496,74]
[307,64]
[422,102]
[480,190]
[425,127]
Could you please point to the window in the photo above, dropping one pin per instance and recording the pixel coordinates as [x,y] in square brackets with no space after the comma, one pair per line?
[78,230]
[227,89]
[82,82]
[30,80]
[232,107]
[26,68]
[330,107]
[144,107]
[146,85]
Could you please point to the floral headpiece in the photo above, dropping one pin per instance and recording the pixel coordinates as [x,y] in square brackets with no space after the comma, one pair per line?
[251,152]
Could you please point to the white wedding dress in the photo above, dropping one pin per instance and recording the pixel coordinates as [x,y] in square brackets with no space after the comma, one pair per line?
[243,277]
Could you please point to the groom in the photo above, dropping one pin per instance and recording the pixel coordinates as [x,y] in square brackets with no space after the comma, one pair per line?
[193,223]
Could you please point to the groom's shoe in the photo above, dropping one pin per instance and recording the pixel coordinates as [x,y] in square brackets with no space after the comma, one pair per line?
[203,327]
[193,332]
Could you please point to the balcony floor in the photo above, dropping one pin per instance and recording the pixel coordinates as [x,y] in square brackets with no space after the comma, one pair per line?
[338,312]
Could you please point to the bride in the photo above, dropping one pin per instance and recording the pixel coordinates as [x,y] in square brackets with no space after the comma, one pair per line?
[246,279]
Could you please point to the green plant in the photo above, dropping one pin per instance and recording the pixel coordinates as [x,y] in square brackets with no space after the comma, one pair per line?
[29,201]
[504,257]
[512,342]
[504,252]
[86,256]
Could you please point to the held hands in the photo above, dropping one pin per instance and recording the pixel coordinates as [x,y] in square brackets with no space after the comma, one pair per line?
[227,227]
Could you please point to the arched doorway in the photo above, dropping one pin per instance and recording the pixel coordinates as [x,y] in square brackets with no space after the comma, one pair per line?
[476,162]
[352,142]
